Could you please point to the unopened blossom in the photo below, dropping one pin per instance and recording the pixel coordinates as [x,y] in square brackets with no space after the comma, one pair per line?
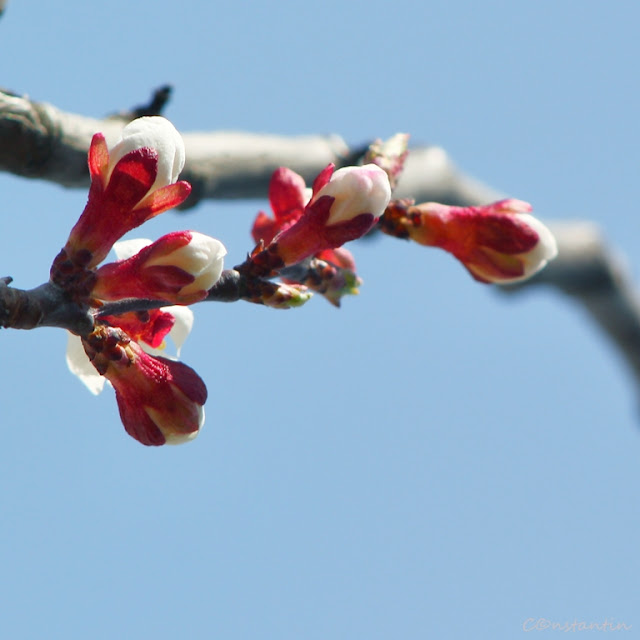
[332,274]
[499,242]
[152,132]
[280,295]
[130,183]
[180,267]
[356,191]
[344,206]
[160,400]
[150,329]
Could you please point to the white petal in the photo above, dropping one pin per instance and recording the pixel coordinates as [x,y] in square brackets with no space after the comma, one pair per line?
[357,190]
[127,248]
[545,250]
[203,258]
[157,133]
[182,327]
[182,438]
[79,365]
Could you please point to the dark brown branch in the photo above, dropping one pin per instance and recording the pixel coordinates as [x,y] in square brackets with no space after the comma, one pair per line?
[44,306]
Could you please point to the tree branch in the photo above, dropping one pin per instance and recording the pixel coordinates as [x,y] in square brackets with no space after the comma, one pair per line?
[37,140]
[597,277]
[44,306]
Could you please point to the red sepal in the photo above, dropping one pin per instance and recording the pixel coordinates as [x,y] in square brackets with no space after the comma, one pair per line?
[98,160]
[323,177]
[162,199]
[150,327]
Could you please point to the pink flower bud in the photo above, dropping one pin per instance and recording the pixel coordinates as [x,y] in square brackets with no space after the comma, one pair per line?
[345,205]
[355,191]
[160,401]
[180,267]
[152,132]
[499,242]
[149,328]
[130,183]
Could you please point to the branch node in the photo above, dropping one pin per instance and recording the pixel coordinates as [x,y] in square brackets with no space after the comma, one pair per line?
[159,99]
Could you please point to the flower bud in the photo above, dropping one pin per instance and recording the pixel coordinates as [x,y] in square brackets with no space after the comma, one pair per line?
[130,183]
[356,191]
[281,295]
[149,328]
[499,242]
[345,205]
[152,132]
[160,401]
[180,267]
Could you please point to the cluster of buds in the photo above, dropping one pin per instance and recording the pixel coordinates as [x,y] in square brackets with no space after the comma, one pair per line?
[160,400]
[303,240]
[138,301]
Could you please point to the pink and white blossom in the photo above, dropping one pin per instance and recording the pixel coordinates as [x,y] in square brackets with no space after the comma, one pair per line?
[345,205]
[500,242]
[355,191]
[130,183]
[180,267]
[181,325]
[161,401]
[151,132]
[151,338]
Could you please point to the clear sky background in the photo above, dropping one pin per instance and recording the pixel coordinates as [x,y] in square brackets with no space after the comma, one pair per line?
[433,460]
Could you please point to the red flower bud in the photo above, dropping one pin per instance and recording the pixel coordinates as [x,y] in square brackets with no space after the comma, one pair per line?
[131,183]
[160,401]
[344,206]
[499,242]
[180,267]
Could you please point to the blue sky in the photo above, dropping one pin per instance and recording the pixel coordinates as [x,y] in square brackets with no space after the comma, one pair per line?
[432,460]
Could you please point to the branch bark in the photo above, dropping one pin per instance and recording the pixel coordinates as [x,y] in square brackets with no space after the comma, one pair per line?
[37,140]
